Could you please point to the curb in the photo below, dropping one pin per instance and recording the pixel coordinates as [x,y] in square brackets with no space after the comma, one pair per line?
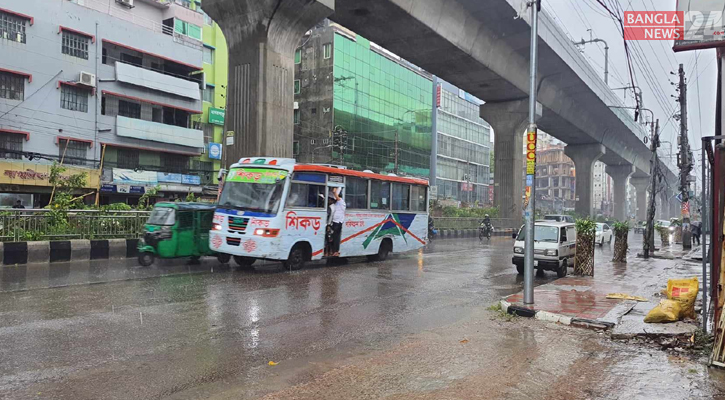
[553,317]
[19,253]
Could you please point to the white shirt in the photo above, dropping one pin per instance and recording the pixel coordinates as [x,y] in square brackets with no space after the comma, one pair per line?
[338,214]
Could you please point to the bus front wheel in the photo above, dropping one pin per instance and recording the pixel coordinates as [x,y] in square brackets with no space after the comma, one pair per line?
[296,259]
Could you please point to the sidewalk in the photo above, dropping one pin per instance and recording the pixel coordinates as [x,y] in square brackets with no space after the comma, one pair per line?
[581,301]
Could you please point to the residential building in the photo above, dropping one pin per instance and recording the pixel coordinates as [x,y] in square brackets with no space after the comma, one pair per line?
[602,200]
[101,83]
[464,152]
[358,105]
[555,176]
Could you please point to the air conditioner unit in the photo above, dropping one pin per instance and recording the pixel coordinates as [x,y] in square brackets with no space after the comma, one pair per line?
[127,3]
[87,79]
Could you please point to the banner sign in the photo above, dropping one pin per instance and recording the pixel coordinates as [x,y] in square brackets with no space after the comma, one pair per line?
[531,153]
[256,175]
[190,180]
[216,116]
[168,178]
[215,151]
[130,176]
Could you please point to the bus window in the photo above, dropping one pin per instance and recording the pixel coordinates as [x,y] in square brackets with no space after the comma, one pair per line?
[356,193]
[401,196]
[418,198]
[380,195]
[304,195]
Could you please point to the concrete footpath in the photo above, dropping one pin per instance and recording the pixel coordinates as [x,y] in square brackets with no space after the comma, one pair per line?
[581,301]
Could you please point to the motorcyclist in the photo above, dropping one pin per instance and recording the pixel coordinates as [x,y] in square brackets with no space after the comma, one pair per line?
[486,223]
[432,232]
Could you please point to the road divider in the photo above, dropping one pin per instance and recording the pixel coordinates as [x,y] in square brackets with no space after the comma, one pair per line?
[18,253]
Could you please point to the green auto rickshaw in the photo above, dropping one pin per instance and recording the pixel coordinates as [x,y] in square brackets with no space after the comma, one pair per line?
[176,230]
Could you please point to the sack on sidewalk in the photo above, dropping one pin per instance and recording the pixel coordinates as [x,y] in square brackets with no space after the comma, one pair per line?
[684,291]
[666,311]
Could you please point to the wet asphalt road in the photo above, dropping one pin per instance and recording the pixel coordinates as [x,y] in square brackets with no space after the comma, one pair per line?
[116,330]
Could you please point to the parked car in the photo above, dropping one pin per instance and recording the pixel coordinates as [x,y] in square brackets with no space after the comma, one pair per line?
[640,227]
[554,247]
[604,234]
[559,218]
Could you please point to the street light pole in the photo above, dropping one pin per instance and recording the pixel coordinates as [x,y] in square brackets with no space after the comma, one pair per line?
[530,193]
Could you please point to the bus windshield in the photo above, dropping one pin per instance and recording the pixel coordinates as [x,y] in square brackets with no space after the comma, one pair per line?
[253,189]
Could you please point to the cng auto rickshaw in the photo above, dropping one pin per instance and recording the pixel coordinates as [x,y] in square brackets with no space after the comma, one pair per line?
[176,230]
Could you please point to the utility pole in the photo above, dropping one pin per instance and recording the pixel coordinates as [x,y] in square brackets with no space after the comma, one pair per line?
[606,53]
[654,172]
[530,193]
[684,162]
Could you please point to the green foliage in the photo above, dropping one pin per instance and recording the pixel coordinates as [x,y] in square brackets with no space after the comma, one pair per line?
[469,212]
[191,197]
[585,226]
[676,222]
[145,199]
[116,207]
[621,227]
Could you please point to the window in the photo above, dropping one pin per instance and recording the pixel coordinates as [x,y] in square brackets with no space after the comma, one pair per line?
[187,29]
[209,94]
[73,98]
[380,195]
[297,86]
[327,50]
[129,109]
[127,158]
[174,162]
[72,152]
[296,116]
[562,237]
[186,220]
[356,193]
[131,59]
[401,196]
[306,195]
[298,56]
[75,45]
[183,3]
[11,145]
[207,18]
[295,148]
[418,198]
[157,114]
[313,111]
[208,55]
[12,86]
[12,27]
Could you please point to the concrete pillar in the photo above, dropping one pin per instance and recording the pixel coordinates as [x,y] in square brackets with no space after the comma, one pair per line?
[664,205]
[584,157]
[508,121]
[620,176]
[640,187]
[261,37]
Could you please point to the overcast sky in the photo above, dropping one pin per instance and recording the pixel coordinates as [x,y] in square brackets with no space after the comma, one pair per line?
[652,63]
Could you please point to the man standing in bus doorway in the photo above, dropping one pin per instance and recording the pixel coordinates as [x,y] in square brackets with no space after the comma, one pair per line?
[338,217]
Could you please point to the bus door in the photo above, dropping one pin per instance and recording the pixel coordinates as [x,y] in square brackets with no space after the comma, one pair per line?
[334,182]
[305,214]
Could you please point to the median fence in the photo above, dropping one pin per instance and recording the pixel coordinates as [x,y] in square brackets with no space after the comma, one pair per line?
[455,227]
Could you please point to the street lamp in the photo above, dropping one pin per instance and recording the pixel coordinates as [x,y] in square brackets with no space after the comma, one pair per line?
[606,53]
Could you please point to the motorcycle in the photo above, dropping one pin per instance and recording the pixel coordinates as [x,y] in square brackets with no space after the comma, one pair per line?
[432,232]
[484,230]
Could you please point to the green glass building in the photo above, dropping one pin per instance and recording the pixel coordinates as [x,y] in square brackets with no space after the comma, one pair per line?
[360,106]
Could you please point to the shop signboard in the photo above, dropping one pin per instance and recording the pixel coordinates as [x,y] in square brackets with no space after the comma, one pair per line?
[215,151]
[129,176]
[168,178]
[190,180]
[216,116]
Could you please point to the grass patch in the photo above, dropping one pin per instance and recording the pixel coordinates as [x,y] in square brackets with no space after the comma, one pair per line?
[692,370]
[500,314]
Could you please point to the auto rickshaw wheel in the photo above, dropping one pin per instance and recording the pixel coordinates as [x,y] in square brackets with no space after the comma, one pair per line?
[223,258]
[145,258]
[244,262]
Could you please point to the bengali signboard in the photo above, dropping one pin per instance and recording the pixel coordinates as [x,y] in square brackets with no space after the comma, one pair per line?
[216,116]
[168,178]
[129,176]
[190,180]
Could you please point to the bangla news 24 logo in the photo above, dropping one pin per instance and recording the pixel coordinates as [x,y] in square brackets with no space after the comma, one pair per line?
[680,26]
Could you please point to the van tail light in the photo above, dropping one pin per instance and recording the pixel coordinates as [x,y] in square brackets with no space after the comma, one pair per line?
[266,232]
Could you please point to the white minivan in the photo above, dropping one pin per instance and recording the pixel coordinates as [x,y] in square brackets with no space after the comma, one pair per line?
[554,247]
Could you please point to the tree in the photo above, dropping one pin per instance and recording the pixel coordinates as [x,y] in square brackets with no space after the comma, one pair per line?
[585,233]
[621,231]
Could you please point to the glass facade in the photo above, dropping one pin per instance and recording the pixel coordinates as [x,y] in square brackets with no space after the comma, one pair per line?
[382,110]
[464,151]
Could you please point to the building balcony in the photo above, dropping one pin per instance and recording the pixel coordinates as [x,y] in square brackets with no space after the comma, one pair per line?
[134,75]
[157,132]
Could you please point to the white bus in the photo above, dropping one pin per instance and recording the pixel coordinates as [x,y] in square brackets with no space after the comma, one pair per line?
[275,209]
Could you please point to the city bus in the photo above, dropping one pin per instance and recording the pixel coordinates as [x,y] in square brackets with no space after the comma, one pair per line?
[276,209]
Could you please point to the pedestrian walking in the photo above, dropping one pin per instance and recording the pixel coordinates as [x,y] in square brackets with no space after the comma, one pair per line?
[696,228]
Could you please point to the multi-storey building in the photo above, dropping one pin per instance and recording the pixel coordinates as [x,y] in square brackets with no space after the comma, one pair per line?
[101,82]
[356,104]
[555,176]
[464,152]
[603,195]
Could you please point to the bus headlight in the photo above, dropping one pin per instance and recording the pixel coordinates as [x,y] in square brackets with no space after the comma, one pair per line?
[266,232]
